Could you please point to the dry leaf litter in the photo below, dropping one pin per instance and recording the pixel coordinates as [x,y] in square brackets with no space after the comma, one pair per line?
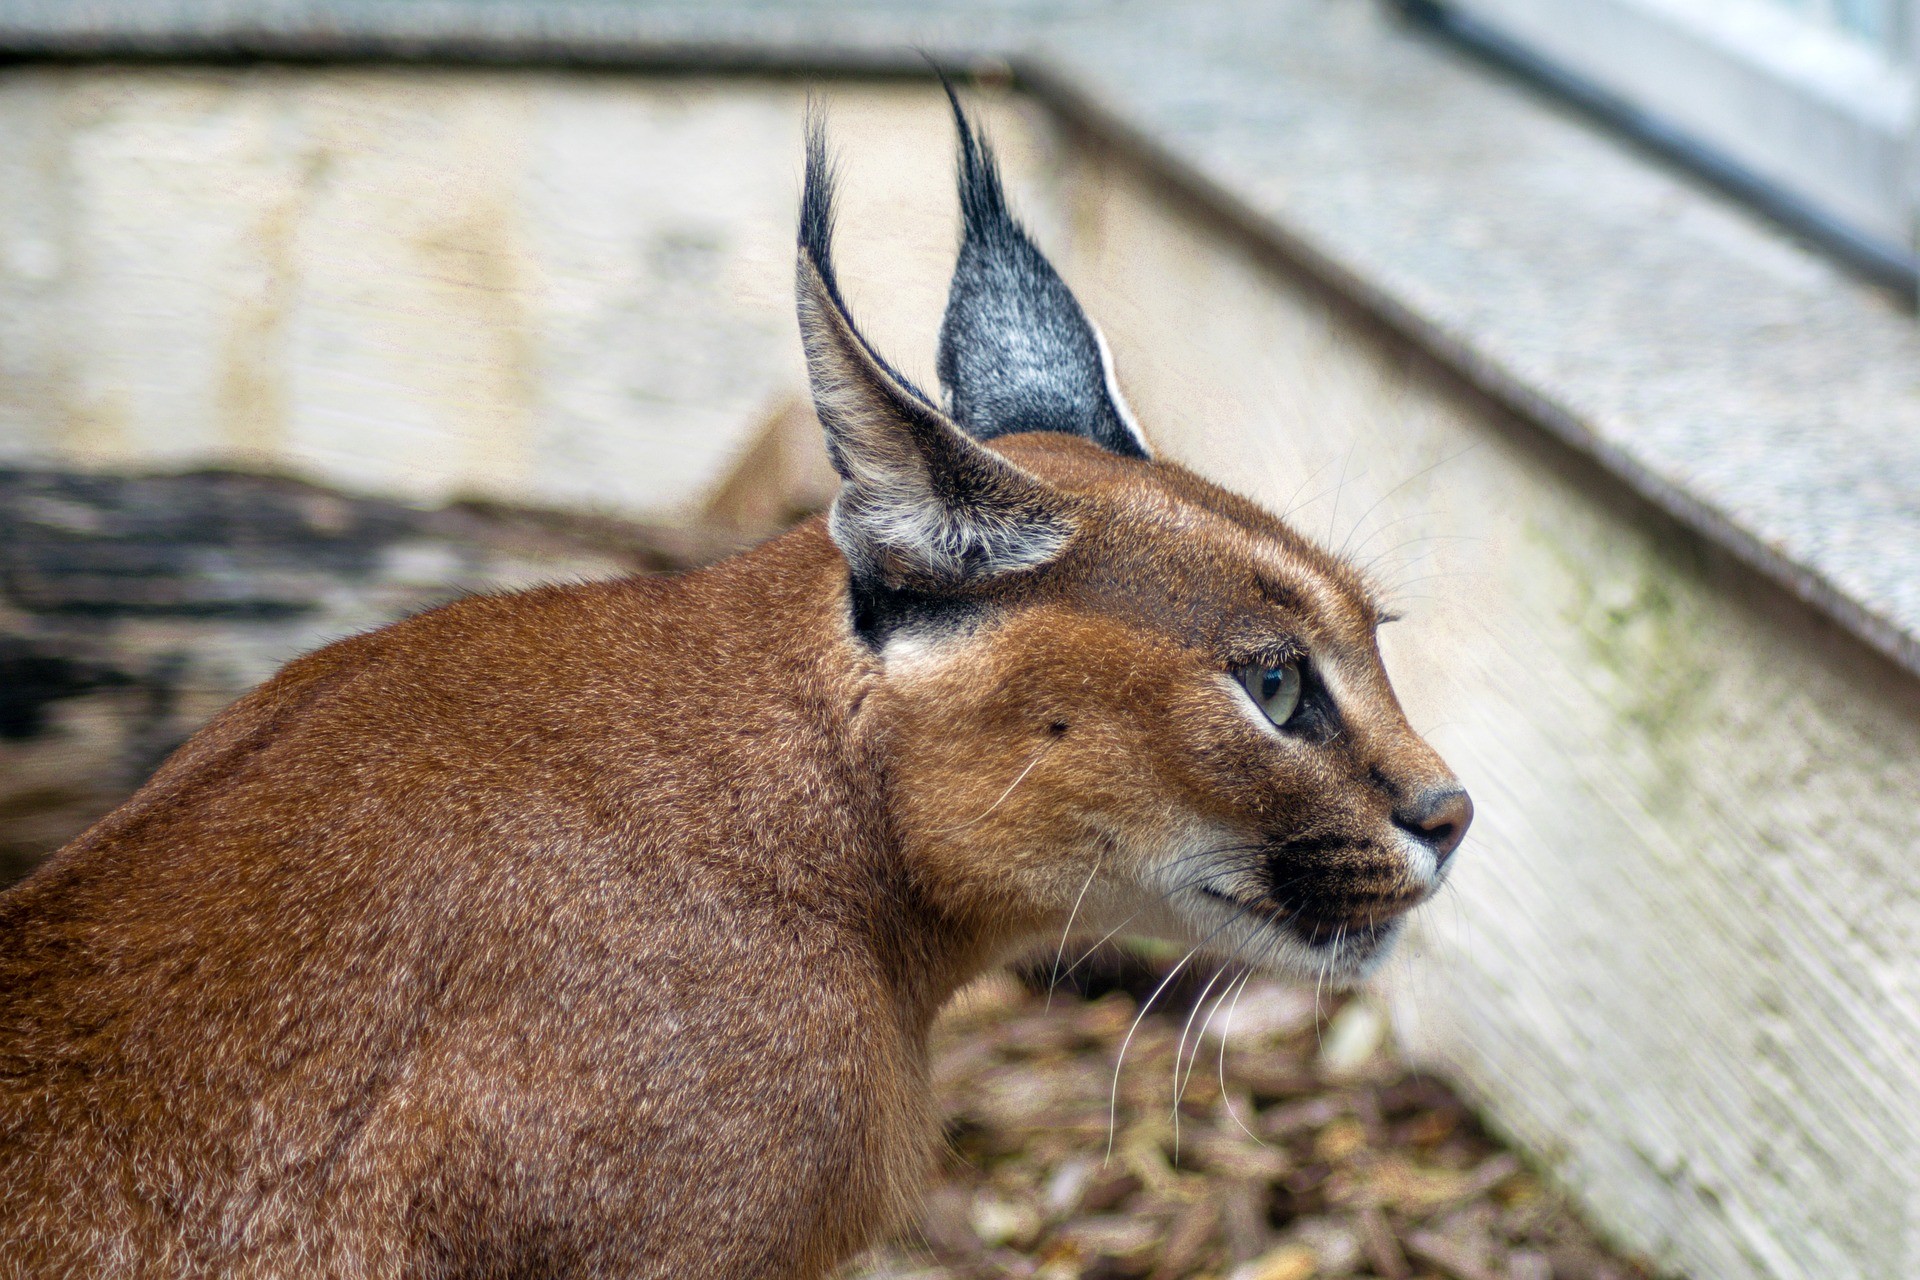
[1300,1148]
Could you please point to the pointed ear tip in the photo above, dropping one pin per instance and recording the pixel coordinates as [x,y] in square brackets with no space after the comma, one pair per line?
[815,232]
[819,158]
[953,100]
[973,144]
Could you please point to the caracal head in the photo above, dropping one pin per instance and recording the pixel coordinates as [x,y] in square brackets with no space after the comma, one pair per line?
[1116,695]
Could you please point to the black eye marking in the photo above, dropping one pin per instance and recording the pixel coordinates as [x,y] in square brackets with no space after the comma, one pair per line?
[1057,728]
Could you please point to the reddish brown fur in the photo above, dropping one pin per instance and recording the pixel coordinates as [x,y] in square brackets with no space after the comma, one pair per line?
[597,930]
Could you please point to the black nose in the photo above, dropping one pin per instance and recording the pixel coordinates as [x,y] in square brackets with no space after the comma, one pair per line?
[1438,815]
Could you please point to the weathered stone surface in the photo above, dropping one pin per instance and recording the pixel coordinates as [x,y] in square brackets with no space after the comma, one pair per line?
[442,285]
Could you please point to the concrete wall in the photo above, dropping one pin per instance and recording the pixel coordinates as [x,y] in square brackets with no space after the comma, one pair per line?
[1679,956]
[571,289]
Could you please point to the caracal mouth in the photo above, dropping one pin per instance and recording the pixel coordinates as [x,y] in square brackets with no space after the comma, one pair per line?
[1318,941]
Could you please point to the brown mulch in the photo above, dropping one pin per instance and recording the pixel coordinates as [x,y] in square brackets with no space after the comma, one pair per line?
[1319,1155]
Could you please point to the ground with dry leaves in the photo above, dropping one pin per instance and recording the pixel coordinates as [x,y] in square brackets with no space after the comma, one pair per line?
[1300,1148]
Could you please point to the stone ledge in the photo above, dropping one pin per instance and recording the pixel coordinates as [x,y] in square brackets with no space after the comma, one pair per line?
[1747,386]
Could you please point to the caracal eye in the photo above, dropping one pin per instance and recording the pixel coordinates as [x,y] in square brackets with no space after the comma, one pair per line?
[1275,690]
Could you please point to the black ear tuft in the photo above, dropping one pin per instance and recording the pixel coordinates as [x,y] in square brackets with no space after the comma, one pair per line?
[1016,351]
[922,507]
[816,243]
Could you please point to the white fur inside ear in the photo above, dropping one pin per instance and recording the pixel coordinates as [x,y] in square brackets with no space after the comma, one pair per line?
[895,516]
[1119,401]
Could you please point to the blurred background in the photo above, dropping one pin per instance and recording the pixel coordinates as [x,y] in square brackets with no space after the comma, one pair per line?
[1586,326]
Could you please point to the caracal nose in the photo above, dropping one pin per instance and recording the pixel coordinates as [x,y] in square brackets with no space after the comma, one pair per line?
[1439,815]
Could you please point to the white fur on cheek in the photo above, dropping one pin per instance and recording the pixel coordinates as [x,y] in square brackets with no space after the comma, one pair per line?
[910,653]
[1423,865]
[905,650]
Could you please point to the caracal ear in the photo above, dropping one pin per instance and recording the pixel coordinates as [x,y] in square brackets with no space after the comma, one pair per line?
[922,507]
[1016,351]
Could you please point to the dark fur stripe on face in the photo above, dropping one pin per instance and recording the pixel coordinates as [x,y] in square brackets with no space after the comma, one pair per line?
[1016,351]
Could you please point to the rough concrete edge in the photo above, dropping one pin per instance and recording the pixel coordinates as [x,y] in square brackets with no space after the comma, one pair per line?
[1873,260]
[242,45]
[1077,107]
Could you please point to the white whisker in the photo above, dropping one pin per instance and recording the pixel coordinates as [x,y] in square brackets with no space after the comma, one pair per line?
[1226,1098]
[1018,779]
[1060,952]
[1180,1051]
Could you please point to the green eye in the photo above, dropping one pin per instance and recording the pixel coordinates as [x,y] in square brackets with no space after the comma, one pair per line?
[1275,690]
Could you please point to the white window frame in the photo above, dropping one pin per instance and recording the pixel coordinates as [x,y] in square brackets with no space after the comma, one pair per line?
[1813,122]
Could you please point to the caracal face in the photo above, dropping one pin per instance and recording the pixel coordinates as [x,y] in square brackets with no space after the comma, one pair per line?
[1178,726]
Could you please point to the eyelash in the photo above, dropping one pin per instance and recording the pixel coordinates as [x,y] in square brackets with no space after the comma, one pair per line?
[1276,656]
